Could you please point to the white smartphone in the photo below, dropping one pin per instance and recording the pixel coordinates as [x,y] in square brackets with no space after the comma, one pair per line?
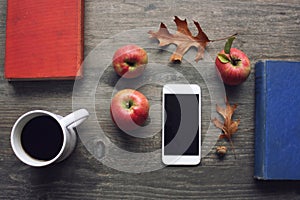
[181,124]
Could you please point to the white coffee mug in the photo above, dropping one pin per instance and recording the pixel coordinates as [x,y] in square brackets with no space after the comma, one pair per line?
[64,125]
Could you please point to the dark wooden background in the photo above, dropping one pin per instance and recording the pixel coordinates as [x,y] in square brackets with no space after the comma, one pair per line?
[267,30]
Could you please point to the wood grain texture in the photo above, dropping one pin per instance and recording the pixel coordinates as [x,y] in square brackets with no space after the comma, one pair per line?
[267,30]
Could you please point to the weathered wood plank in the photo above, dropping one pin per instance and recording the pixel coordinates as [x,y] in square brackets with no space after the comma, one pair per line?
[267,30]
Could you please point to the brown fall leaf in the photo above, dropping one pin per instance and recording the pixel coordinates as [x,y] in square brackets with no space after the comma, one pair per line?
[183,38]
[229,127]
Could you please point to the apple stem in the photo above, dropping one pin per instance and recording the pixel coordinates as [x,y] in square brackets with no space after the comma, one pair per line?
[129,104]
[234,61]
[130,62]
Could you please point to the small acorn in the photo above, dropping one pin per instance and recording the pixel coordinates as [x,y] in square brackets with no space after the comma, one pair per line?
[221,150]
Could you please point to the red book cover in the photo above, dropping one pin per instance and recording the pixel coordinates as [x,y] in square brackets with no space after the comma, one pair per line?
[44,39]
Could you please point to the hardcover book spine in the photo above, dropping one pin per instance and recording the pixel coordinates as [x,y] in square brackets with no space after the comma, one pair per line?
[260,119]
[81,8]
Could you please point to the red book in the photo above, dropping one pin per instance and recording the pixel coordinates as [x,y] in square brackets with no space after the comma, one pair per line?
[44,39]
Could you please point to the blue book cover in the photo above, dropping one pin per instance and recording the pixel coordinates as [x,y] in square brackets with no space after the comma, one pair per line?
[277,120]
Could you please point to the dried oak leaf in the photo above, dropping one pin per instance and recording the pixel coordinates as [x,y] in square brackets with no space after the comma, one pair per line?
[229,127]
[183,38]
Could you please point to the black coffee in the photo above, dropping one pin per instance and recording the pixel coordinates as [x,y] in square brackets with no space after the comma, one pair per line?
[42,138]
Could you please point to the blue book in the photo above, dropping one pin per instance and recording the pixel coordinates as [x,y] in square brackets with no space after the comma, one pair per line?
[277,120]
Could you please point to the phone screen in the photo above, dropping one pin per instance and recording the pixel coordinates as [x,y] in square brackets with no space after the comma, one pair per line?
[181,129]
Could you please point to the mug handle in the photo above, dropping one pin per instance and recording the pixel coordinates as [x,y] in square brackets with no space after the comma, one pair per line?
[74,119]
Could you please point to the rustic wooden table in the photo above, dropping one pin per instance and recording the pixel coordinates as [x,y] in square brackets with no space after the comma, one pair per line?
[267,30]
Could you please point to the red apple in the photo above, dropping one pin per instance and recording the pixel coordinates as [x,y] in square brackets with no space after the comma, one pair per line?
[130,61]
[232,65]
[129,109]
